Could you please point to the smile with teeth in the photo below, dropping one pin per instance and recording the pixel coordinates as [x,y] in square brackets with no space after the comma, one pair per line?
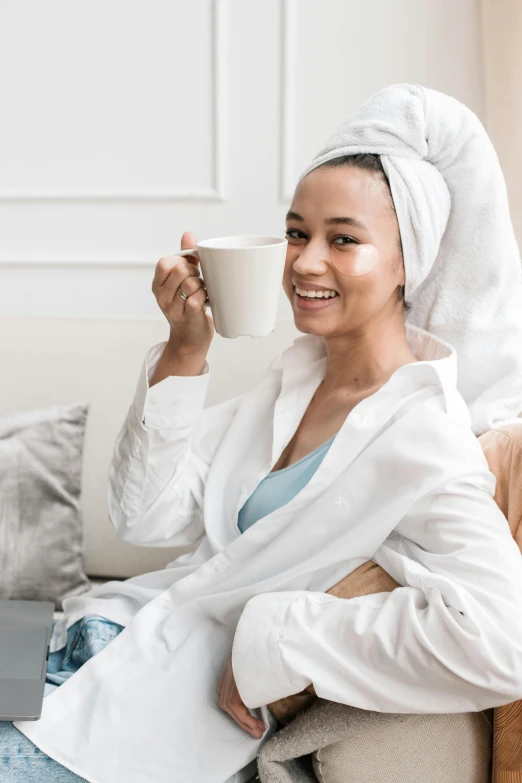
[315,294]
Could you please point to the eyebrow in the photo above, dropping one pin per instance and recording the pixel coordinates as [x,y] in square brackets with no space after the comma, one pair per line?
[334,221]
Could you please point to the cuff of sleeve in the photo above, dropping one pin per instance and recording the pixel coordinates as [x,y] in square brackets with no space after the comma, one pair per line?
[259,671]
[177,396]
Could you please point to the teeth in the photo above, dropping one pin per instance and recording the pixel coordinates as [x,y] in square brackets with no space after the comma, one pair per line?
[315,294]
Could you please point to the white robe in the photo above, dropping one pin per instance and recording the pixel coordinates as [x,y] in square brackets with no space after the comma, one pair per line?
[405,482]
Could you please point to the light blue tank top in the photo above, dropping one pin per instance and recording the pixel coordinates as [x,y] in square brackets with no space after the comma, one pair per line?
[280,486]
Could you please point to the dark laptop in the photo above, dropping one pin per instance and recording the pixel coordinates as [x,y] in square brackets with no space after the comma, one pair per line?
[25,633]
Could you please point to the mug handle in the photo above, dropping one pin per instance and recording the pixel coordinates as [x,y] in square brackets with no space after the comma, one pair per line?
[188,252]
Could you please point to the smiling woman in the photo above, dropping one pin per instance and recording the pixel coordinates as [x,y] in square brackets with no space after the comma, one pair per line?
[363,431]
[357,186]
[362,324]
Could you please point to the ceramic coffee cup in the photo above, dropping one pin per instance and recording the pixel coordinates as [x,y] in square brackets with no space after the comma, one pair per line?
[243,276]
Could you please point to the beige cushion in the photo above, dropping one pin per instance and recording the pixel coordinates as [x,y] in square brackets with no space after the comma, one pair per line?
[453,748]
[336,743]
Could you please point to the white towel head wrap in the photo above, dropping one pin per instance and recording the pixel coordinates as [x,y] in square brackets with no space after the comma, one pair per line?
[463,276]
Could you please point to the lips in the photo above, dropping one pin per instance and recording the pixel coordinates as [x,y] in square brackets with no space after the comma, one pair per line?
[314,293]
[301,286]
[313,304]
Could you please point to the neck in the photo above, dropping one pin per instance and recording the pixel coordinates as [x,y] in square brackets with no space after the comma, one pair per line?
[366,358]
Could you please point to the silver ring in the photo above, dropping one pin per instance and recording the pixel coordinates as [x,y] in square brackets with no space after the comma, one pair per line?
[183,296]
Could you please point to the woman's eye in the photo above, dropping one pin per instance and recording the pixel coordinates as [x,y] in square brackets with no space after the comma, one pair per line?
[291,234]
[295,233]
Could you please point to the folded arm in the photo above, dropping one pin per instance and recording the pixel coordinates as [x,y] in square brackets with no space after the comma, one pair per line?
[448,640]
[368,578]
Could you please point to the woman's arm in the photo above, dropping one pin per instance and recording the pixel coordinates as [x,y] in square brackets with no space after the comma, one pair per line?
[366,579]
[178,362]
[502,448]
[163,453]
[450,640]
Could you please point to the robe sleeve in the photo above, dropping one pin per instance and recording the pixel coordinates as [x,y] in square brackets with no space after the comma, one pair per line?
[448,640]
[162,456]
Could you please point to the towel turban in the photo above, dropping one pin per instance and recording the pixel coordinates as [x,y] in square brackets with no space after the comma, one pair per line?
[463,275]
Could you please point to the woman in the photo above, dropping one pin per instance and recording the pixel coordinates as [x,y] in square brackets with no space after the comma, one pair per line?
[356,444]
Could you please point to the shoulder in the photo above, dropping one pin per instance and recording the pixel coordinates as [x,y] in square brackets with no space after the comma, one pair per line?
[433,435]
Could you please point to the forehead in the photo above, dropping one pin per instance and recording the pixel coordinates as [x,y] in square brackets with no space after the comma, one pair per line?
[341,190]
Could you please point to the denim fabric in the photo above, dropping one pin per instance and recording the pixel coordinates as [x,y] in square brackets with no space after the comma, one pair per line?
[20,760]
[84,639]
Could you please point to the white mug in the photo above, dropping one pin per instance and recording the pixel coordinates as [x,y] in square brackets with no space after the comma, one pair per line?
[243,277]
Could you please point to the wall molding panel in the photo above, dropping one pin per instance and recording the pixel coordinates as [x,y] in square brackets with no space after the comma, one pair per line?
[98,260]
[218,63]
[288,102]
[128,123]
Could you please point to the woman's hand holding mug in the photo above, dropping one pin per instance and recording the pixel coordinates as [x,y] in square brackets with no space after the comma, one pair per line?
[182,298]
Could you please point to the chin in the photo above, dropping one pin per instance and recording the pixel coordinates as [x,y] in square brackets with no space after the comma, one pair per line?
[321,330]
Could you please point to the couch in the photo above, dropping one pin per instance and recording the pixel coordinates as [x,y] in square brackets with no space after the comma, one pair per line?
[48,361]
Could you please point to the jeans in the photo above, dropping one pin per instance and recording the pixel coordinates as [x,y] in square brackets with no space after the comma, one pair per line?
[20,760]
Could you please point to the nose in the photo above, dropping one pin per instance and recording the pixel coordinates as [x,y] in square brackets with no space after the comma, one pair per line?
[312,260]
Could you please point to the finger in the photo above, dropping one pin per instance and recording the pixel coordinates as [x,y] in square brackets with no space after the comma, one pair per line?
[237,710]
[168,300]
[163,269]
[230,700]
[179,272]
[196,301]
[175,305]
[243,714]
[245,727]
[189,241]
[189,283]
[254,732]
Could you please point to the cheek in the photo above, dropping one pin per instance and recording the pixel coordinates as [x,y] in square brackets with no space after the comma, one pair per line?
[291,254]
[359,261]
[288,270]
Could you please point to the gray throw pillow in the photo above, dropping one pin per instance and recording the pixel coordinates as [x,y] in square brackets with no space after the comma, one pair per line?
[41,534]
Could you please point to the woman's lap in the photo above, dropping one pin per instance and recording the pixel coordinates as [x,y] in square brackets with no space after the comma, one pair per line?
[23,762]
[463,739]
[85,639]
[20,760]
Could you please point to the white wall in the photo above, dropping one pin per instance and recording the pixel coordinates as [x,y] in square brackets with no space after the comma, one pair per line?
[125,123]
[502,33]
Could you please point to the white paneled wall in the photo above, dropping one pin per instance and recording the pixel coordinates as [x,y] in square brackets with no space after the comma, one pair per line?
[98,89]
[125,123]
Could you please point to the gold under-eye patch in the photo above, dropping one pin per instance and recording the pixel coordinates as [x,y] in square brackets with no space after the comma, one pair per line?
[358,261]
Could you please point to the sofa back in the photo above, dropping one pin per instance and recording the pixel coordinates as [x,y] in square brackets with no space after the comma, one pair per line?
[51,361]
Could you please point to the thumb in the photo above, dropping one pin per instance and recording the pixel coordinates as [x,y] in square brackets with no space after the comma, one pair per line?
[188,241]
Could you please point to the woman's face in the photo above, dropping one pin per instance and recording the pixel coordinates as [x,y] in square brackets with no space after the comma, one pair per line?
[343,237]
